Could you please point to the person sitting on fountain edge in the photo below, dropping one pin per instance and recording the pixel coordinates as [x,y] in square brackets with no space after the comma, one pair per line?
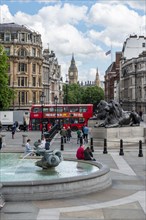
[88,154]
[80,153]
[28,148]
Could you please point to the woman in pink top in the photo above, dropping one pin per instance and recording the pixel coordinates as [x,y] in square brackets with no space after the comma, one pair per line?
[80,153]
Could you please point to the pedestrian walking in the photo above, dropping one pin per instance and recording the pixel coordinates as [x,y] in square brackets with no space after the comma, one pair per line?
[79,134]
[24,126]
[86,132]
[63,134]
[13,130]
[68,134]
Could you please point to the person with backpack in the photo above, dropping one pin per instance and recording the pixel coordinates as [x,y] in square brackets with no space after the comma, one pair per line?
[79,133]
[13,130]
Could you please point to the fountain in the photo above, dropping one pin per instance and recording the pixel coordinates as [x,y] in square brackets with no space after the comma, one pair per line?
[23,181]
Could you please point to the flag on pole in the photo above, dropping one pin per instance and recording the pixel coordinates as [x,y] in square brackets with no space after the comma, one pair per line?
[108,52]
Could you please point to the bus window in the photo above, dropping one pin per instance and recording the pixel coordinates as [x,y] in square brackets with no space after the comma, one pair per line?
[35,124]
[51,109]
[59,109]
[36,110]
[45,109]
[81,120]
[82,109]
[74,109]
[66,109]
[74,120]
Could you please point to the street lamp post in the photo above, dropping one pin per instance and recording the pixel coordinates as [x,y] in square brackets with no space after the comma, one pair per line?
[66,95]
[42,98]
[56,100]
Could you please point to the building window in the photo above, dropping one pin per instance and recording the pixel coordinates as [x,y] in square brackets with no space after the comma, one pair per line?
[7,50]
[22,81]
[34,97]
[7,37]
[34,68]
[22,37]
[143,44]
[39,82]
[22,67]
[33,81]
[14,36]
[33,52]
[22,52]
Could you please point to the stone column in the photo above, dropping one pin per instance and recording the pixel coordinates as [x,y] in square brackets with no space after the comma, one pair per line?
[24,137]
[3,140]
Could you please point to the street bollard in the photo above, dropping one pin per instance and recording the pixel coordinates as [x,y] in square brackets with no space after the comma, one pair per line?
[62,144]
[24,136]
[91,144]
[121,148]
[81,141]
[105,147]
[140,149]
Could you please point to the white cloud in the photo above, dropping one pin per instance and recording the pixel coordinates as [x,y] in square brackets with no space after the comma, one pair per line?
[5,14]
[106,23]
[112,20]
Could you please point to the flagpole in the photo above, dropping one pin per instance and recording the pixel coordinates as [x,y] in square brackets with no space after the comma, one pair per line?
[111,54]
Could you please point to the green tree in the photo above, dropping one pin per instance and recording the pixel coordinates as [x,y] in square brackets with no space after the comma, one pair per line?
[93,94]
[74,94]
[6,93]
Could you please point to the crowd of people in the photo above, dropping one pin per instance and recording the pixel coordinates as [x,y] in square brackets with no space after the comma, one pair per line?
[66,134]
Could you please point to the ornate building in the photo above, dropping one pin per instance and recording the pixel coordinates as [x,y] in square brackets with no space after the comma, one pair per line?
[125,79]
[52,80]
[29,71]
[73,72]
[133,83]
[112,77]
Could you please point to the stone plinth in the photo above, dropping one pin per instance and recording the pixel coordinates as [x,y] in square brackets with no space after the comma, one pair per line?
[130,135]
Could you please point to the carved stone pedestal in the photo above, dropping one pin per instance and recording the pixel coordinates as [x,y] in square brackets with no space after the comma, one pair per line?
[130,135]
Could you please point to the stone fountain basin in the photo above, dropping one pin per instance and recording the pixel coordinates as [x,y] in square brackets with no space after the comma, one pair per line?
[58,188]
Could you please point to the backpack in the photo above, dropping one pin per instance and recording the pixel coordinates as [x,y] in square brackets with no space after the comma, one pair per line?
[79,133]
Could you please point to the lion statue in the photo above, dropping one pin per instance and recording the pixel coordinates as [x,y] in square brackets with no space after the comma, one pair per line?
[115,116]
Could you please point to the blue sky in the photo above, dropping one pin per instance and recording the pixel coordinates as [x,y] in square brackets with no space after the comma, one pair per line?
[87,28]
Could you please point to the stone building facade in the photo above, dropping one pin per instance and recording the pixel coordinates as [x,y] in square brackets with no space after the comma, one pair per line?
[28,69]
[112,77]
[133,74]
[133,83]
[52,80]
[125,79]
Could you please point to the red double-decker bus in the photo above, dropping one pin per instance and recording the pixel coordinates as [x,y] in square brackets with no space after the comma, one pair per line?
[73,115]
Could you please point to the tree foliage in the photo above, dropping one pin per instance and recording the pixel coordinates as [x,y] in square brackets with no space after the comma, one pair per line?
[6,93]
[74,94]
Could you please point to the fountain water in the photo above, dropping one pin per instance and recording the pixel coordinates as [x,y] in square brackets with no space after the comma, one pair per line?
[30,182]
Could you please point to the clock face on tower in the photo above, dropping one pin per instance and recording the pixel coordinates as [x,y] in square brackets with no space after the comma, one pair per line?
[71,73]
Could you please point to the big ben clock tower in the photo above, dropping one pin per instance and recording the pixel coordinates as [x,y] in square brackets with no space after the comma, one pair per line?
[73,72]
